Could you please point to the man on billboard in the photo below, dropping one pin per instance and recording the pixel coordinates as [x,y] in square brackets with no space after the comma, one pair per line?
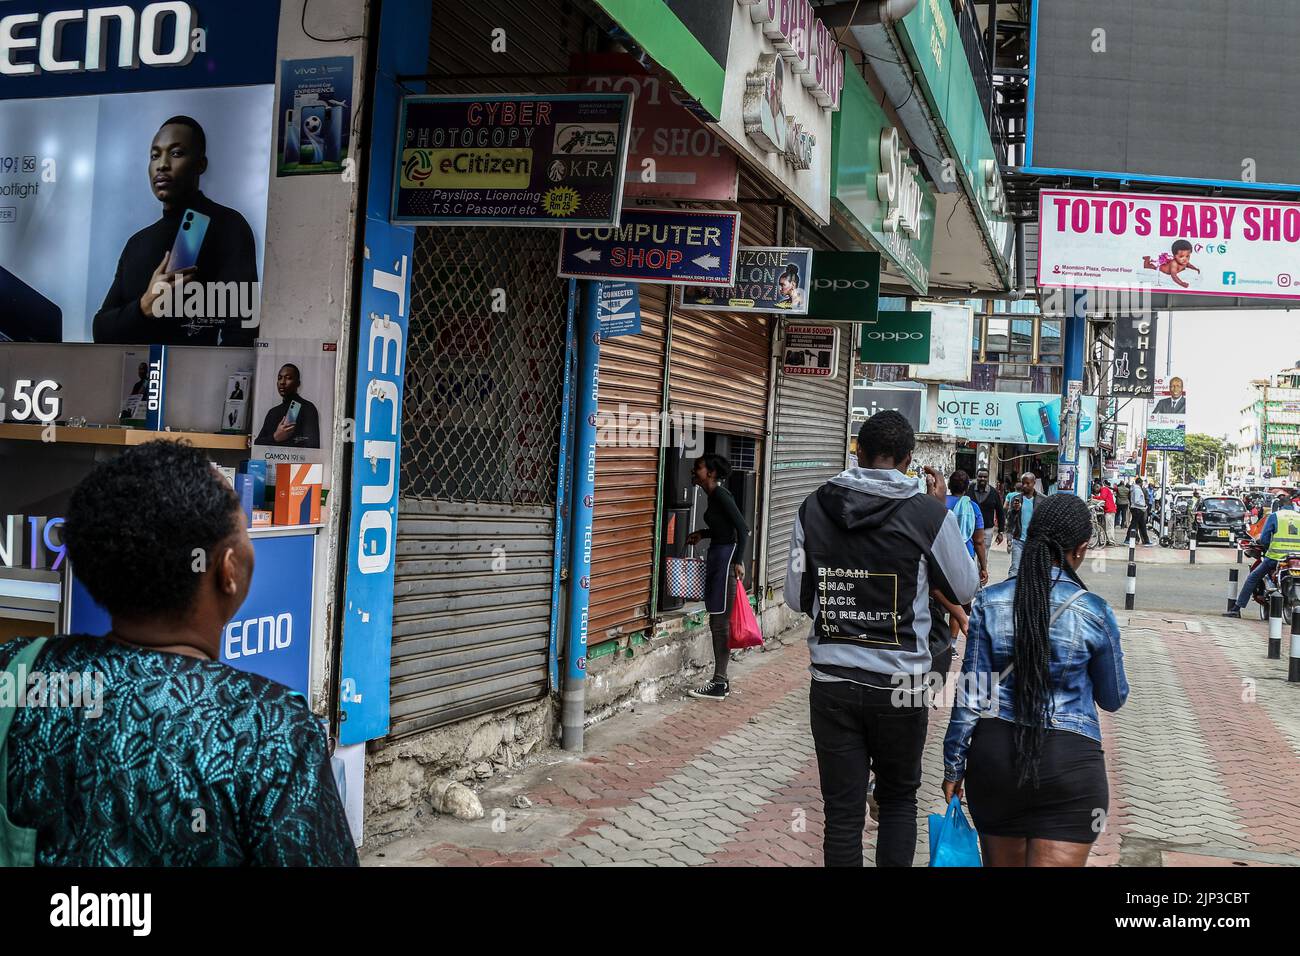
[1175,403]
[196,241]
[295,422]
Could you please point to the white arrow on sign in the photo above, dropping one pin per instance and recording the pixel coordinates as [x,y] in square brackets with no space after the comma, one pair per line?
[707,262]
[588,255]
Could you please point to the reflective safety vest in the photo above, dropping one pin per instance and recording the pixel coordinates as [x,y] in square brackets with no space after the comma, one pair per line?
[1287,537]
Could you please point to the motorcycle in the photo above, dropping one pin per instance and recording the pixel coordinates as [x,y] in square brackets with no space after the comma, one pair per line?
[1284,578]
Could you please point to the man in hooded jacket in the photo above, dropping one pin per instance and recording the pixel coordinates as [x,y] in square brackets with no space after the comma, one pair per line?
[868,548]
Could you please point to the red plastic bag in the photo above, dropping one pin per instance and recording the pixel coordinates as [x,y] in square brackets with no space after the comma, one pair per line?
[744,626]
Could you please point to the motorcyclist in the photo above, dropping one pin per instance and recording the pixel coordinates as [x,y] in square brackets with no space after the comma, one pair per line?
[1280,537]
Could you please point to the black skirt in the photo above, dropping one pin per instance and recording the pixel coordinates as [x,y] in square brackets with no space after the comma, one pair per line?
[1070,802]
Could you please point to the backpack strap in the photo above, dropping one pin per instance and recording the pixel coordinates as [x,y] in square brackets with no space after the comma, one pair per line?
[1056,614]
[17,845]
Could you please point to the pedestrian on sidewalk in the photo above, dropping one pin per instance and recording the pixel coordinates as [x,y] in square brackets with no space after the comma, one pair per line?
[169,733]
[1121,504]
[1279,537]
[989,500]
[1101,492]
[1020,511]
[1138,503]
[1042,654]
[868,548]
[727,532]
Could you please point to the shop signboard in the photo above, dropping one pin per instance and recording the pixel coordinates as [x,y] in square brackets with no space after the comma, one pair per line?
[784,81]
[271,632]
[875,183]
[1169,244]
[811,351]
[366,611]
[1018,418]
[662,246]
[768,279]
[896,338]
[951,330]
[906,401]
[671,154]
[1135,339]
[524,160]
[618,306]
[87,216]
[845,287]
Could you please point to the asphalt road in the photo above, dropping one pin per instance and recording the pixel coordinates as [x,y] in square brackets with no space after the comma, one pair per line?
[1193,589]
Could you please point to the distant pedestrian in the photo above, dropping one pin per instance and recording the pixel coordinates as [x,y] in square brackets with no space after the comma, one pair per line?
[867,550]
[989,500]
[1121,504]
[1035,774]
[1101,492]
[727,532]
[1020,511]
[1138,508]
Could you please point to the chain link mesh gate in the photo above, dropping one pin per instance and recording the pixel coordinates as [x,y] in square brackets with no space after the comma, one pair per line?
[484,366]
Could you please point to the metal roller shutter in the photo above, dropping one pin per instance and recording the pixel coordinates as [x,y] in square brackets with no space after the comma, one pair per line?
[810,448]
[719,370]
[627,476]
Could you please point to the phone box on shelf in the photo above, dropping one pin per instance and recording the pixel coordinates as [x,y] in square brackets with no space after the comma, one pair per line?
[255,469]
[297,493]
[244,489]
[262,518]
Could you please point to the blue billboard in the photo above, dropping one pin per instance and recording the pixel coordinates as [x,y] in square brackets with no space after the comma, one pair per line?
[270,634]
[664,246]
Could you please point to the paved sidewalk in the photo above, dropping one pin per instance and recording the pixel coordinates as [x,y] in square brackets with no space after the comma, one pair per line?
[1204,764]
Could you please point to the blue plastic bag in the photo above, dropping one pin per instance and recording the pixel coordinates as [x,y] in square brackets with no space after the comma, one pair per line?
[953,841]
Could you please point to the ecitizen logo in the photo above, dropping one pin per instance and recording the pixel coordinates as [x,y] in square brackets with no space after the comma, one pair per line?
[74,909]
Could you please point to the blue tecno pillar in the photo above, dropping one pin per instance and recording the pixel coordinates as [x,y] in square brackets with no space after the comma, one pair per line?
[573,700]
[1074,337]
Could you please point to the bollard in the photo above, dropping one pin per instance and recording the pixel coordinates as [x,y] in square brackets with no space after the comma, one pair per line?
[1293,669]
[1130,583]
[1232,588]
[1275,627]
[1191,549]
[1239,552]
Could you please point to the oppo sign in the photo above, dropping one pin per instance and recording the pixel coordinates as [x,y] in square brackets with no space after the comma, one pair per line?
[162,35]
[898,187]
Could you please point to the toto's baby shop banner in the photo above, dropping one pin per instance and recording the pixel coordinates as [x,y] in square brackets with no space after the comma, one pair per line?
[1234,247]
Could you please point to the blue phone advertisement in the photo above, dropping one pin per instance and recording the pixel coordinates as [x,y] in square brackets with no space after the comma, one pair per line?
[1010,417]
[315,115]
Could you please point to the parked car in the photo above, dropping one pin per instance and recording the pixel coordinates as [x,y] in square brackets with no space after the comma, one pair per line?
[1220,519]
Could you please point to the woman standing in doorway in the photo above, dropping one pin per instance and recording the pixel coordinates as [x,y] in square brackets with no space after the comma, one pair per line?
[727,533]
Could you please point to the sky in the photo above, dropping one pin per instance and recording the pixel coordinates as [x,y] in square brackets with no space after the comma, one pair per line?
[1217,354]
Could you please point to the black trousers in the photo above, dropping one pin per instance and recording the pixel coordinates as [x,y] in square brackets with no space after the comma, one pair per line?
[1139,522]
[858,731]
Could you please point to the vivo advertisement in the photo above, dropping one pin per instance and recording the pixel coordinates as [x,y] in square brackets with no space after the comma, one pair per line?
[135,149]
[1219,246]
[1010,417]
[271,633]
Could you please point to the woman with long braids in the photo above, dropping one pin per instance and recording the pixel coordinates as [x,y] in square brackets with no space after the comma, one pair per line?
[1042,654]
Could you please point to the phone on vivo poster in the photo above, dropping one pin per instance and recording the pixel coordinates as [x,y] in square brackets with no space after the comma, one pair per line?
[189,241]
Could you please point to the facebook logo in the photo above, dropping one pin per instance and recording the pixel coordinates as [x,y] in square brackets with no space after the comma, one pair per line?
[1230,278]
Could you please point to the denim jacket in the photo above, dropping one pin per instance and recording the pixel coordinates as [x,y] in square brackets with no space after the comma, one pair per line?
[1086,668]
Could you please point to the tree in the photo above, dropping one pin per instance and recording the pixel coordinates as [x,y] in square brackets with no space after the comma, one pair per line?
[1203,456]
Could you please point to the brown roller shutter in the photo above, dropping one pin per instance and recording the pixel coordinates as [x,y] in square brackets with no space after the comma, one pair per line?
[627,478]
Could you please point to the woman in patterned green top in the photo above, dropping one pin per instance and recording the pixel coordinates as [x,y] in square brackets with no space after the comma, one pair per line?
[181,760]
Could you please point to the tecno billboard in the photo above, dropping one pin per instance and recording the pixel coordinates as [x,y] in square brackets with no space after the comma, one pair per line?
[1196,91]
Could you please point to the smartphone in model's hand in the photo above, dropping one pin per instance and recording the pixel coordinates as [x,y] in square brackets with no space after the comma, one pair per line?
[189,240]
[294,408]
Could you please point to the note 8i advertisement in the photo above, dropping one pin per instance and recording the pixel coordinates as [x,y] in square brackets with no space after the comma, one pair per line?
[1015,418]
